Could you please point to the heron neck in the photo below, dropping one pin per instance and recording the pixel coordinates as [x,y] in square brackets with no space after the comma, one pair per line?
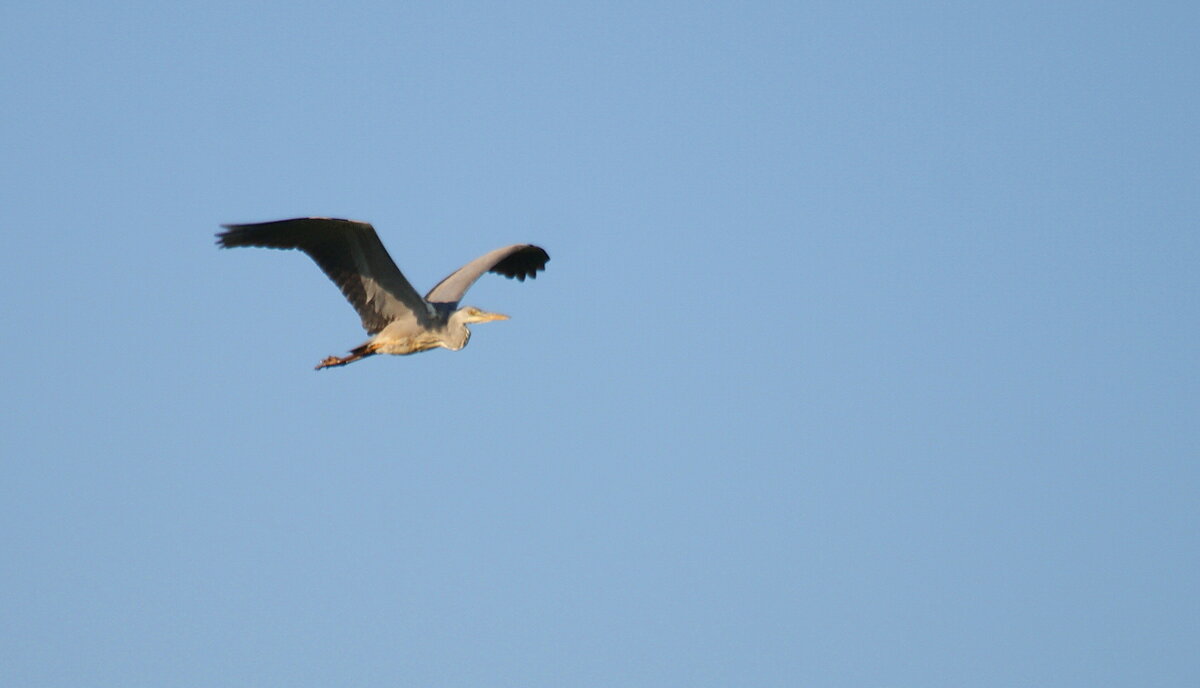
[457,334]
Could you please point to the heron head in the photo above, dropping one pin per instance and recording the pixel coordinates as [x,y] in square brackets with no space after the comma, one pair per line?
[474,315]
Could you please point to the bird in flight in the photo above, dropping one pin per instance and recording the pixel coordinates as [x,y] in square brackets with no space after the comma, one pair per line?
[398,319]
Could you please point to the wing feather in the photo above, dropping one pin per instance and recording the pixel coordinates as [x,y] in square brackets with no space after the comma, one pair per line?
[519,261]
[351,255]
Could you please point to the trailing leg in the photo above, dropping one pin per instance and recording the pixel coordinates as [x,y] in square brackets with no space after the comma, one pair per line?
[359,352]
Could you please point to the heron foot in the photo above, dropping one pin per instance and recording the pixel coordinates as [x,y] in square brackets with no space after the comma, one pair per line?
[357,353]
[333,361]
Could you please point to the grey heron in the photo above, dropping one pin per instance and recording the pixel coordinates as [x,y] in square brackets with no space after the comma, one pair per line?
[399,320]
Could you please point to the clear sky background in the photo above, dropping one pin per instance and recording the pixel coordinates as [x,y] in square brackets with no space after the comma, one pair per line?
[866,356]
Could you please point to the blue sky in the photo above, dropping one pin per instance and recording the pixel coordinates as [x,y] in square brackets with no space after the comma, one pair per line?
[866,354]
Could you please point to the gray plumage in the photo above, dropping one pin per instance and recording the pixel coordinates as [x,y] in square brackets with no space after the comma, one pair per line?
[400,320]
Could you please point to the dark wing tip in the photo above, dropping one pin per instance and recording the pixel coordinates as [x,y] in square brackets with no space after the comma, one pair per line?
[299,232]
[244,235]
[526,261]
[228,238]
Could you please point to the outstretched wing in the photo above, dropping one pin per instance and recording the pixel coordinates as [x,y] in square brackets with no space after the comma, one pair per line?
[351,254]
[518,260]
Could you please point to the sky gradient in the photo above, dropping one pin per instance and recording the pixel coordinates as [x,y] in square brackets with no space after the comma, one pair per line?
[866,354]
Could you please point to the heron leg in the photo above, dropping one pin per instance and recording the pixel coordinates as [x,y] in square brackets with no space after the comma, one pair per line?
[356,353]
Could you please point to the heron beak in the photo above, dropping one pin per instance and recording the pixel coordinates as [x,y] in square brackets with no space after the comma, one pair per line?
[488,317]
